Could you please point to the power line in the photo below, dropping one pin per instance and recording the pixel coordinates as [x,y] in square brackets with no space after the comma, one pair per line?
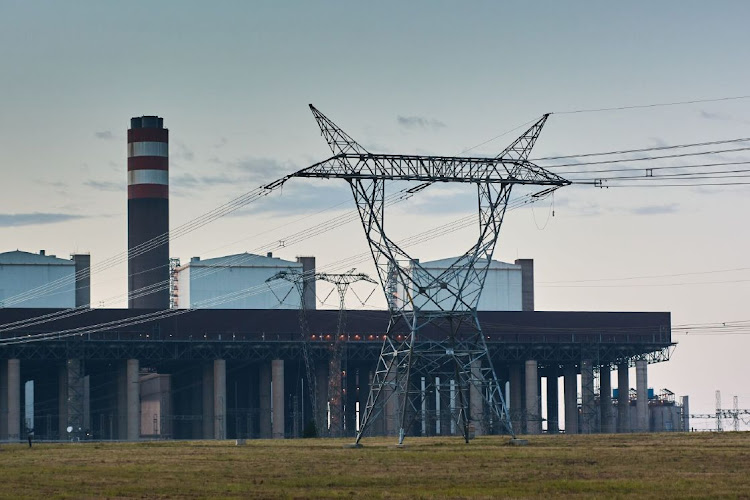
[648,158]
[736,269]
[642,150]
[653,105]
[671,167]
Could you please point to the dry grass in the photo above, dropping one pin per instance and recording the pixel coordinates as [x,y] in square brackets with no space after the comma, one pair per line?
[657,466]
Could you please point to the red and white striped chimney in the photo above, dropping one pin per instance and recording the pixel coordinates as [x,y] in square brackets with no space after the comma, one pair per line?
[148,212]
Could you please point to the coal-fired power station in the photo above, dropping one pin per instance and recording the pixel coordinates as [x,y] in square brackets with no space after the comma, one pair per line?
[148,213]
[246,351]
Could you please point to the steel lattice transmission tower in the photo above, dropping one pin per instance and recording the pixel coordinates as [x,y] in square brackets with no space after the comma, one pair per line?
[447,300]
[336,362]
[298,279]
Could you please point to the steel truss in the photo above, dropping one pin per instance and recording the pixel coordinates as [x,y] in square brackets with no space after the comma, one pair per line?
[299,280]
[418,297]
[337,364]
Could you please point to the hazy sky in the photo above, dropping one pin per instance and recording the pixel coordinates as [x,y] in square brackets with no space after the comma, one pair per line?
[233,80]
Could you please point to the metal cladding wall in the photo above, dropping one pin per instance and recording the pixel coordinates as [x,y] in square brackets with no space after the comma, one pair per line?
[148,211]
[503,287]
[22,272]
[237,282]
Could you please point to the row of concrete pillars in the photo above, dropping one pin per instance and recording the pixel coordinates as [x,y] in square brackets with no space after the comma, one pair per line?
[147,404]
[123,402]
[524,398]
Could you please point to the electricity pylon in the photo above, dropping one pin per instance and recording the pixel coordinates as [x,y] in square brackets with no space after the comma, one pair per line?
[299,279]
[446,300]
[336,363]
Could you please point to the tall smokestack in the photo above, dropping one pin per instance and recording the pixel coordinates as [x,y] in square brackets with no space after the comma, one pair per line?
[148,211]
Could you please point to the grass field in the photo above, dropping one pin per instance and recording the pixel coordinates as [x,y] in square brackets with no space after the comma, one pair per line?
[643,465]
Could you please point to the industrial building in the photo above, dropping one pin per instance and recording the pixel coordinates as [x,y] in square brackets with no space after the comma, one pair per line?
[229,360]
[503,288]
[66,282]
[236,282]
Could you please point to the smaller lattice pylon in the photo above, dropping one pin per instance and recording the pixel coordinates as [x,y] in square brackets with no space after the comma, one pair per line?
[298,279]
[337,361]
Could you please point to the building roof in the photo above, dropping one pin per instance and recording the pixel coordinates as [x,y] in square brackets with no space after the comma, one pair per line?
[243,260]
[445,263]
[19,257]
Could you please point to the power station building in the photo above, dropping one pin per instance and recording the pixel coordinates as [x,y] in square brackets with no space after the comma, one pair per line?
[229,360]
[41,280]
[238,281]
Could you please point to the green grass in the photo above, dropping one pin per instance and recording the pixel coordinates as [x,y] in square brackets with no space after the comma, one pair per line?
[643,465]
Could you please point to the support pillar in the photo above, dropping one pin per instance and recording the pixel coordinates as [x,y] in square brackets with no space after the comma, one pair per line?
[515,375]
[553,413]
[264,394]
[321,386]
[588,408]
[533,403]
[641,403]
[605,399]
[220,399]
[277,393]
[14,399]
[571,399]
[390,405]
[62,403]
[476,398]
[133,390]
[623,398]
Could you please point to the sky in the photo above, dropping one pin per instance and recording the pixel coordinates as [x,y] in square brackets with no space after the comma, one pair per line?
[233,79]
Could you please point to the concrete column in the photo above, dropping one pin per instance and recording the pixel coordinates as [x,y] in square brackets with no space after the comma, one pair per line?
[515,376]
[476,398]
[335,392]
[623,398]
[588,408]
[207,401]
[553,426]
[570,386]
[321,386]
[220,399]
[390,405]
[685,413]
[87,403]
[62,403]
[264,396]
[641,403]
[133,399]
[605,399]
[3,399]
[277,393]
[533,403]
[14,399]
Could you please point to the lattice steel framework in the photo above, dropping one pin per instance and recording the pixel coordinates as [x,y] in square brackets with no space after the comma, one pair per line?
[447,299]
[337,365]
[298,279]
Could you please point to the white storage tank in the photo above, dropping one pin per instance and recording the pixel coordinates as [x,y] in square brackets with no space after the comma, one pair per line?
[22,272]
[503,288]
[236,282]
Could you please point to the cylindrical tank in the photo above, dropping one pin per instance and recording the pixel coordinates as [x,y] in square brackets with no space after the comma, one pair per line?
[148,213]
